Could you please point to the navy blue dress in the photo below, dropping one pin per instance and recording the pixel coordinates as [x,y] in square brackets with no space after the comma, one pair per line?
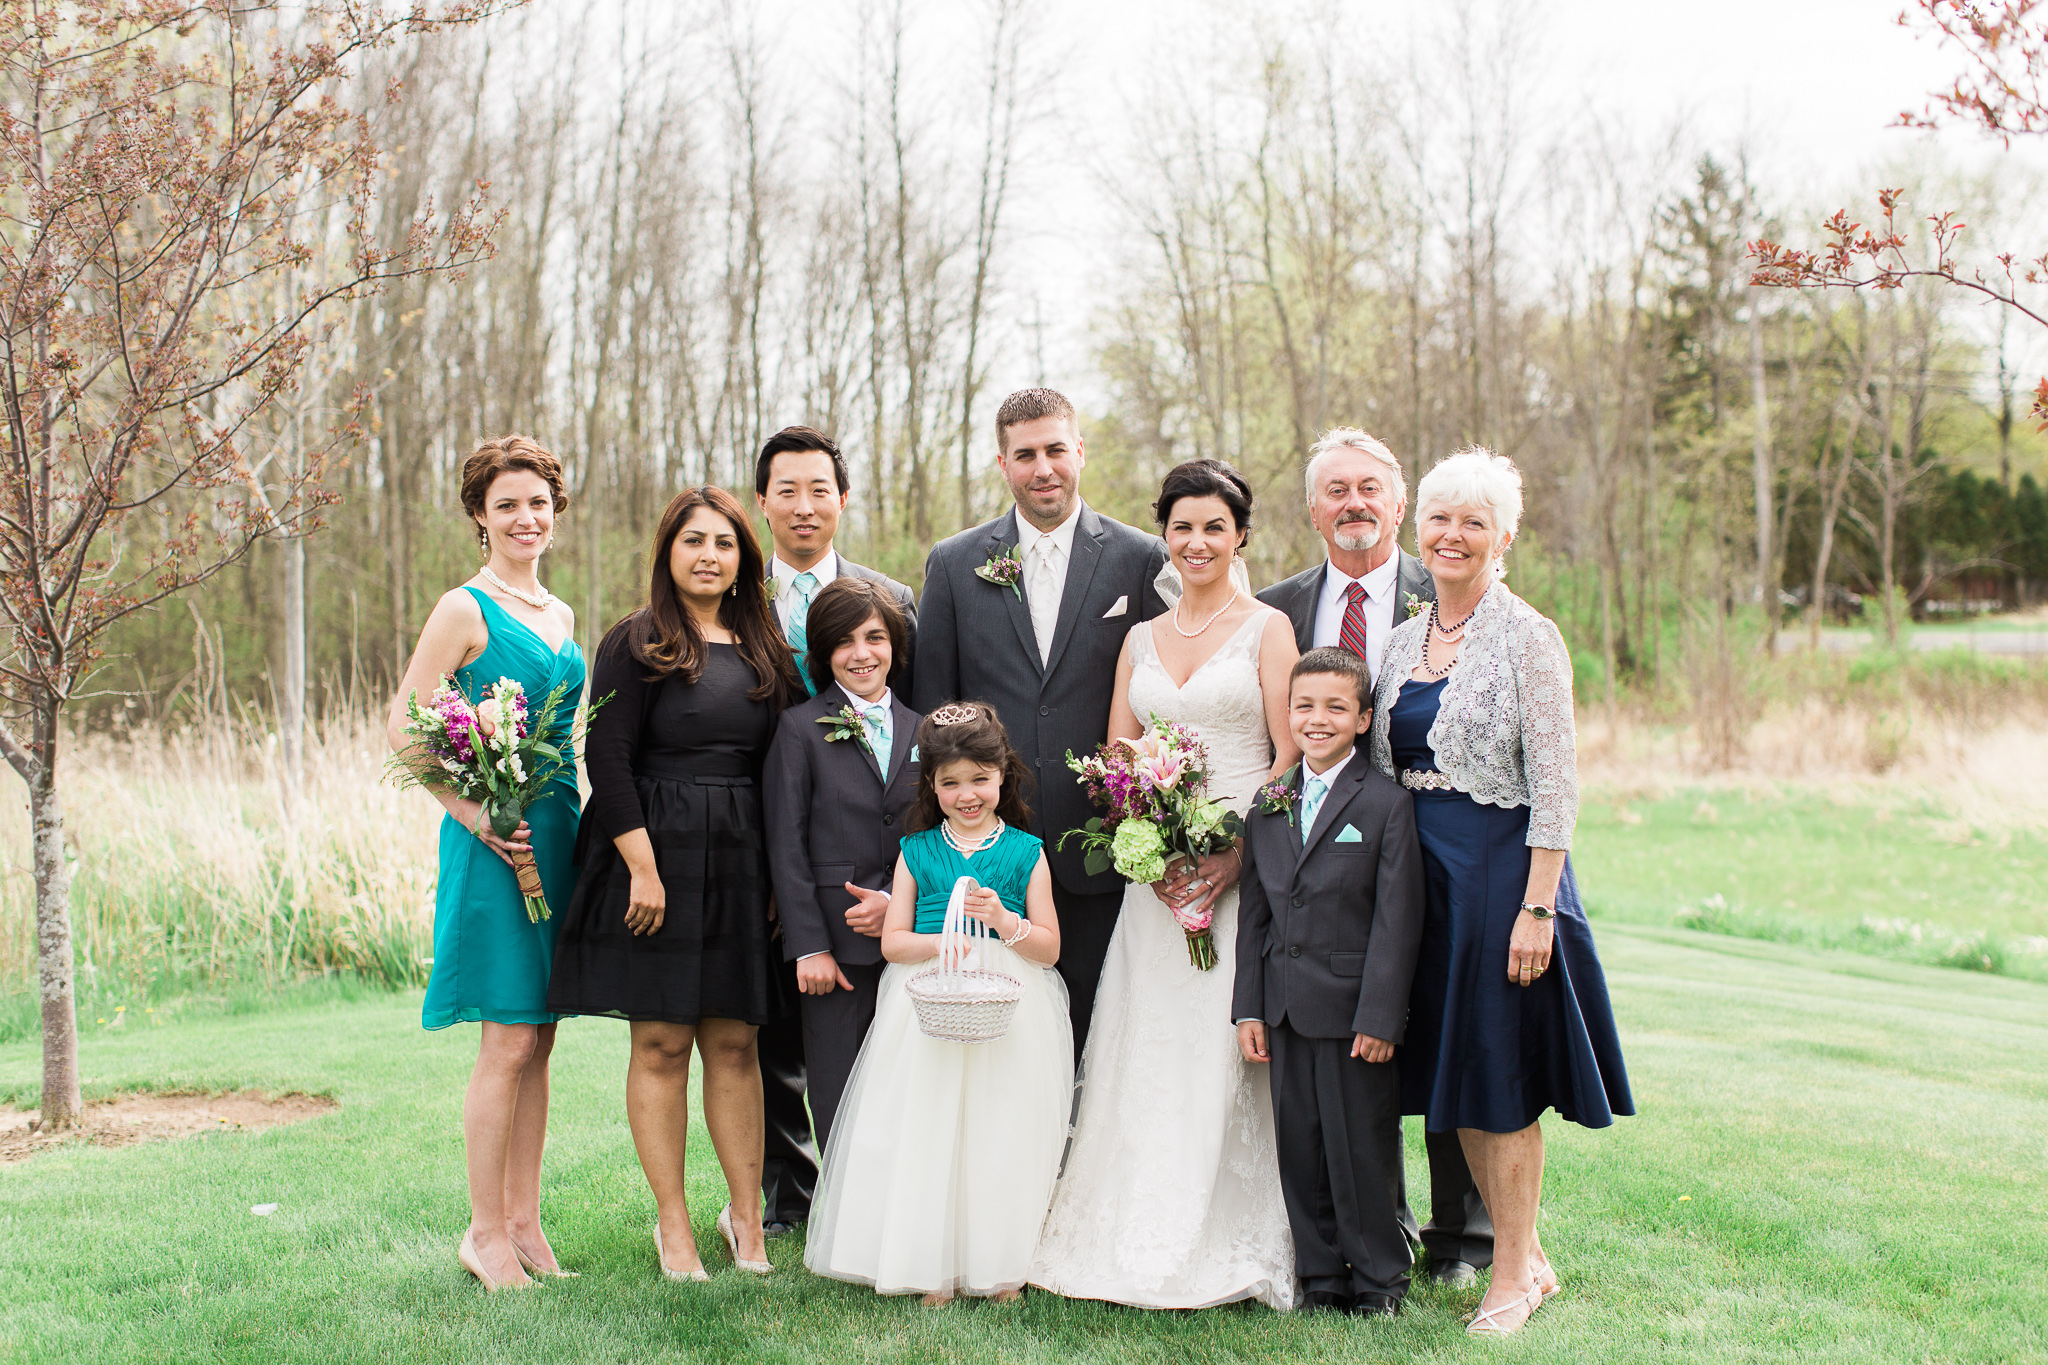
[1482,1052]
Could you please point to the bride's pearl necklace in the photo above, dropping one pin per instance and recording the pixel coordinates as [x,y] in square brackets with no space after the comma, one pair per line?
[540,603]
[961,846]
[1191,634]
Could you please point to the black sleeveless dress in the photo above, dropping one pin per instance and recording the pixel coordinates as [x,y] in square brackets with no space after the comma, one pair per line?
[681,760]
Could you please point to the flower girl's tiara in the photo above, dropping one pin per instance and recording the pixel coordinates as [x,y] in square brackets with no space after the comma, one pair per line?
[955,714]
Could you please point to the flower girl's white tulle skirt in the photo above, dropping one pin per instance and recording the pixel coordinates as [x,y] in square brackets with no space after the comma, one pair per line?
[943,1156]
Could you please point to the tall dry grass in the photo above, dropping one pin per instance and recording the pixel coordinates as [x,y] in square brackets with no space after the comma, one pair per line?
[195,867]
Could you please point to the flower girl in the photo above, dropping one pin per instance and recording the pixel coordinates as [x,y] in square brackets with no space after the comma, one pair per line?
[941,1164]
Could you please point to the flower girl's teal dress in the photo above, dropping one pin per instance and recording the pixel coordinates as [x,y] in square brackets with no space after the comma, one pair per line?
[943,1157]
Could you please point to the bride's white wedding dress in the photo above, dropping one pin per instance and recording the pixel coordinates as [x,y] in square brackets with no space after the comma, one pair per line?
[1171,1193]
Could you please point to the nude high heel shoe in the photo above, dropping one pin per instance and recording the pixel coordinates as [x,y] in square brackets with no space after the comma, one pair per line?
[473,1263]
[732,1244]
[698,1276]
[533,1267]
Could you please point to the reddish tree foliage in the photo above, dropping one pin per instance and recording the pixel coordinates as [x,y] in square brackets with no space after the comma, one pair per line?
[2002,93]
[183,188]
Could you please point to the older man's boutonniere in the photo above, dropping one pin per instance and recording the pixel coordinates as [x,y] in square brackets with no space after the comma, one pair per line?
[847,724]
[1003,569]
[1416,606]
[1277,796]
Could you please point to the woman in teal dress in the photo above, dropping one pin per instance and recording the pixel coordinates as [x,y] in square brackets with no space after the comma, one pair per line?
[490,961]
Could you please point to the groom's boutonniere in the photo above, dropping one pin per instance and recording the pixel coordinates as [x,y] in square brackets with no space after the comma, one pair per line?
[1277,796]
[1416,606]
[1003,569]
[847,724]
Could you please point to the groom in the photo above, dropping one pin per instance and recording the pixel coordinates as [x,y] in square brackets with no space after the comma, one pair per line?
[1042,649]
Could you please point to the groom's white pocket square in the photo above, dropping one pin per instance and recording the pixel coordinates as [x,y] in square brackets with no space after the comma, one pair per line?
[1349,835]
[1123,604]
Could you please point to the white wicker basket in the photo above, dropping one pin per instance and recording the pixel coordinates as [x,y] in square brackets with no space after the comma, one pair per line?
[963,1002]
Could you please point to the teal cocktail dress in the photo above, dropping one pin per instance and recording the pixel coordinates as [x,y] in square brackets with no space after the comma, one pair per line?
[490,961]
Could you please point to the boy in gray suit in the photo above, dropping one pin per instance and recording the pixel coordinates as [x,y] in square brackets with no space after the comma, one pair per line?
[1329,923]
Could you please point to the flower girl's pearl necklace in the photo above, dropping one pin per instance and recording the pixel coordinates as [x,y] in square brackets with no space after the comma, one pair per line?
[961,846]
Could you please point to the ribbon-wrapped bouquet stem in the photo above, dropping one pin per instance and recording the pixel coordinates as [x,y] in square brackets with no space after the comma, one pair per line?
[497,751]
[1154,794]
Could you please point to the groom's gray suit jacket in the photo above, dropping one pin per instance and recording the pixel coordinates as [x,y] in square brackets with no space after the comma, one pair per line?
[975,643]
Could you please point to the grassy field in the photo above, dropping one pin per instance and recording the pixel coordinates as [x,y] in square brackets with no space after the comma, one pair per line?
[1839,1158]
[1898,879]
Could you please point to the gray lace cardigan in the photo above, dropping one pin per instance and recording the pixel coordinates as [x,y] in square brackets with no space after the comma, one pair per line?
[1504,733]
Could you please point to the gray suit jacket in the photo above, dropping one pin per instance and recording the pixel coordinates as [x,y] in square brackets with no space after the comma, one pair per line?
[1327,934]
[977,645]
[832,820]
[1298,596]
[901,671]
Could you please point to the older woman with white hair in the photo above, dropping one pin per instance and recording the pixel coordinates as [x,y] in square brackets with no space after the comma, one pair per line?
[1509,1014]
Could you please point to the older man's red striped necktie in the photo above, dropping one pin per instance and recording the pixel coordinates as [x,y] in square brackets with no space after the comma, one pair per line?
[1351,635]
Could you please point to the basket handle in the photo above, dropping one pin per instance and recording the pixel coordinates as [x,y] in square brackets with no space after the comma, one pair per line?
[955,929]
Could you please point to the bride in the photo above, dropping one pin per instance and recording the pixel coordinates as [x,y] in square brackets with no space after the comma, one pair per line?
[1171,1193]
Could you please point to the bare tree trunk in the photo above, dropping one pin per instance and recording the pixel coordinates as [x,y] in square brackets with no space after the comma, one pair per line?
[291,707]
[1760,454]
[62,1104]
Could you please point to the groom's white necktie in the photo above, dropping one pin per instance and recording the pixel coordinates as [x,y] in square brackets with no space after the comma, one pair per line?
[1046,580]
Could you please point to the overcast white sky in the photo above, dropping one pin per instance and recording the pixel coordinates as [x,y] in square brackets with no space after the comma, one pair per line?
[1815,99]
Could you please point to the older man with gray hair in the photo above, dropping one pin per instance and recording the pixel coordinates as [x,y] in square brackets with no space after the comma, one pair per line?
[1353,600]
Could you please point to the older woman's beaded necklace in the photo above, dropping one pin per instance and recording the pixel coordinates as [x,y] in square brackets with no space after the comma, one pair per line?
[1436,627]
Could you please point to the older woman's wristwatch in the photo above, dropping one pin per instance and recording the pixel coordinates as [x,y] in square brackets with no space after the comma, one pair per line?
[1537,911]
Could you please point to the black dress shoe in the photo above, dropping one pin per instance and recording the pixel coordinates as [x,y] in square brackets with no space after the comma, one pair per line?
[1325,1301]
[1374,1306]
[777,1229]
[1453,1274]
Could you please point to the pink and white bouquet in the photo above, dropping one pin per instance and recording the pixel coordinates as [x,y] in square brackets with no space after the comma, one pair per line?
[1154,792]
[497,750]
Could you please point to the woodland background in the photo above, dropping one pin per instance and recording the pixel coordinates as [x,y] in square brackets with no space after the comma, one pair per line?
[704,239]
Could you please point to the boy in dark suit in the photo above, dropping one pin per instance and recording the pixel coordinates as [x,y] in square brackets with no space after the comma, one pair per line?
[1329,922]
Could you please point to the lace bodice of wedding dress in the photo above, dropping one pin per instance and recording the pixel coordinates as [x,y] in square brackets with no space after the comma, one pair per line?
[1171,1193]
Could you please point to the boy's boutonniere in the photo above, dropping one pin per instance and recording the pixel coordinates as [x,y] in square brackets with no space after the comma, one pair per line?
[847,724]
[772,586]
[1277,796]
[1416,606]
[1003,569]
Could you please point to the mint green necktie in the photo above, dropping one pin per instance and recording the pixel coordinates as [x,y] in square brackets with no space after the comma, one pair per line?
[877,719]
[1312,793]
[806,584]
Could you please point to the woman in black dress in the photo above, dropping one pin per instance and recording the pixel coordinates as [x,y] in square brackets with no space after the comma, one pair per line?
[669,926]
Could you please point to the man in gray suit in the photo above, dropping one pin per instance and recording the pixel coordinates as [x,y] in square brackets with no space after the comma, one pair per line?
[801,484]
[1357,499]
[1042,648]
[1366,586]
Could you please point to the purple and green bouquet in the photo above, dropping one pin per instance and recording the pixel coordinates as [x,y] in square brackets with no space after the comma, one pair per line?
[1153,791]
[498,751]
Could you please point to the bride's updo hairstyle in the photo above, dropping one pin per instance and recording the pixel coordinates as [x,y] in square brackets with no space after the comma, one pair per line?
[967,730]
[1207,479]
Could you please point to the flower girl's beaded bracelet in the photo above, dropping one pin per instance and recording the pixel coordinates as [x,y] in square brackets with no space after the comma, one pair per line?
[1021,934]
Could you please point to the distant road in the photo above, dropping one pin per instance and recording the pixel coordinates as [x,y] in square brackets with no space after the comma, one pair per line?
[2031,640]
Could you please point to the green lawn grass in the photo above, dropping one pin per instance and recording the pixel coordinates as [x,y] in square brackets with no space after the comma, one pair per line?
[1908,882]
[1839,1159]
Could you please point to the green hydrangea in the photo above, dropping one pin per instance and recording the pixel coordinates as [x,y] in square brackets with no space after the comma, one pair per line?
[1138,851]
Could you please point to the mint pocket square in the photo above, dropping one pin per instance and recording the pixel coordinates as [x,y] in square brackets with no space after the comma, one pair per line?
[913,753]
[1349,835]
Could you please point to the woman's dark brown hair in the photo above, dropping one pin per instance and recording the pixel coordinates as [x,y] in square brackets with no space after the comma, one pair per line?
[663,636]
[983,741]
[505,455]
[842,607]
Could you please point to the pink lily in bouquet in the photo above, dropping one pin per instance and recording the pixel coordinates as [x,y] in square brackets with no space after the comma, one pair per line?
[1153,791]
